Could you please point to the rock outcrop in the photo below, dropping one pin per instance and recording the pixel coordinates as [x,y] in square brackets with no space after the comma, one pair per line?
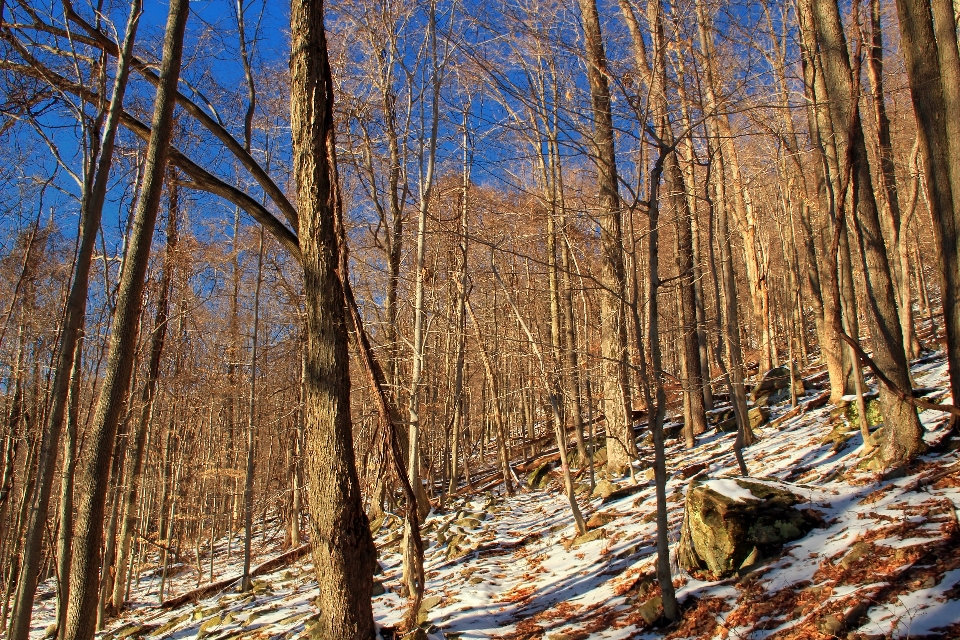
[731,523]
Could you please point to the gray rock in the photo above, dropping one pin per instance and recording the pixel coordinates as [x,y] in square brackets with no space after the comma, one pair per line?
[721,532]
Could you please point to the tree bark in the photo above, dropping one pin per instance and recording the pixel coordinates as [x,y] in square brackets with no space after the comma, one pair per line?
[95,190]
[617,408]
[99,444]
[343,550]
[246,584]
[929,46]
[902,438]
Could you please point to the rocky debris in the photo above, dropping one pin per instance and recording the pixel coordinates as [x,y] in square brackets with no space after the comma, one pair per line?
[425,605]
[207,625]
[458,546]
[841,433]
[673,429]
[691,470]
[604,488]
[726,521]
[589,536]
[651,609]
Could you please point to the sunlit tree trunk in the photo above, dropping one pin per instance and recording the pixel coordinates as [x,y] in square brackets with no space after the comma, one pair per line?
[617,409]
[91,208]
[343,550]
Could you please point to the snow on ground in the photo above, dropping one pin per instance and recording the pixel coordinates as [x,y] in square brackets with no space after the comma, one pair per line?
[884,564]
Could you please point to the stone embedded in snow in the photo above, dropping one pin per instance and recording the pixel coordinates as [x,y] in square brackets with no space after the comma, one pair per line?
[600,519]
[590,536]
[604,488]
[726,520]
[840,434]
[207,626]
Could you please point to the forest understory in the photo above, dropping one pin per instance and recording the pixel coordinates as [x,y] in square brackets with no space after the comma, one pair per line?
[456,319]
[883,563]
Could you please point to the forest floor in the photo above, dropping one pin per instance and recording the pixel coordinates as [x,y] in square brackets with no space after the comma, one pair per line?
[884,564]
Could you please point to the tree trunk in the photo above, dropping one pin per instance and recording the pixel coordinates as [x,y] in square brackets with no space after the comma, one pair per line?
[890,203]
[343,550]
[88,529]
[95,189]
[497,410]
[617,408]
[902,438]
[746,220]
[246,583]
[929,45]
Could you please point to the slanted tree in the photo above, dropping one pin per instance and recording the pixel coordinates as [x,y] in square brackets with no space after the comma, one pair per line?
[88,528]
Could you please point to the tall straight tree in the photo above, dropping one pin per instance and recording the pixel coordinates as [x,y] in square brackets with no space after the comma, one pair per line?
[91,208]
[343,550]
[617,408]
[99,444]
[890,218]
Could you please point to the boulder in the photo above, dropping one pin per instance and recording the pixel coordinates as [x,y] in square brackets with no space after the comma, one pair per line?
[539,477]
[758,416]
[604,488]
[651,609]
[727,426]
[673,429]
[720,414]
[874,417]
[777,380]
[590,536]
[601,519]
[772,398]
[728,520]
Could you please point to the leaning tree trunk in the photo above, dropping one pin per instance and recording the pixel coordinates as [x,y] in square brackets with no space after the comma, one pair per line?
[343,550]
[147,399]
[99,442]
[90,213]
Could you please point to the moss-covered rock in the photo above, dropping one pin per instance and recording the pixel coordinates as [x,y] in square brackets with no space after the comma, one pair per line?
[727,521]
[171,623]
[651,609]
[539,477]
[874,417]
[207,626]
[590,536]
[604,488]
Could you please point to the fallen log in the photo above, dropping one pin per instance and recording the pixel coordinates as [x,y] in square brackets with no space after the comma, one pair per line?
[201,592]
